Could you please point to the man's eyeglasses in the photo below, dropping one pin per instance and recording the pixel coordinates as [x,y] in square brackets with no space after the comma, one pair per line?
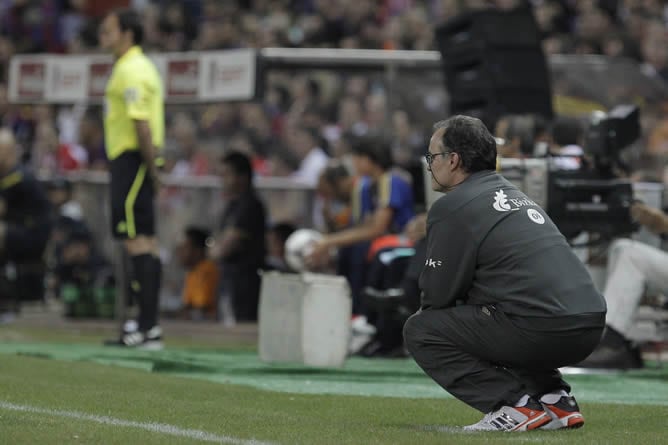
[429,157]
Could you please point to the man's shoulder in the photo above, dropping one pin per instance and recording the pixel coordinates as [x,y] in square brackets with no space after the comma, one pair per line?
[475,190]
[399,178]
[443,206]
[138,67]
[250,202]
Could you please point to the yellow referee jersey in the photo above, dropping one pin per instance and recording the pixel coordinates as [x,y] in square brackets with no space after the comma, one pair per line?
[134,92]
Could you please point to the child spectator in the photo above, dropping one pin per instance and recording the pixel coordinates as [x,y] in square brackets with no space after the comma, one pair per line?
[202,276]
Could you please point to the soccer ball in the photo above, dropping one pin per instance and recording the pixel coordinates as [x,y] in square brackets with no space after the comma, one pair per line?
[298,245]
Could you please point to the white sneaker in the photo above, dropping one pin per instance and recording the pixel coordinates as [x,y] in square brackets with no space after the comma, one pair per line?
[508,418]
[564,414]
[132,339]
[153,339]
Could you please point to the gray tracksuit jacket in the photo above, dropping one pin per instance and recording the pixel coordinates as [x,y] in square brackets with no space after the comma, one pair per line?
[488,244]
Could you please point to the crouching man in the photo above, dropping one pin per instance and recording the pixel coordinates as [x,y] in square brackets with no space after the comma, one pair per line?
[505,301]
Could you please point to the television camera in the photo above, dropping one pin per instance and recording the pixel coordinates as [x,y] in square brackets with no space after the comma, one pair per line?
[594,198]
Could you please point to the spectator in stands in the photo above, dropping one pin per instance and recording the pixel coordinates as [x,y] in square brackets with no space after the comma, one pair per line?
[67,212]
[305,94]
[566,142]
[633,269]
[240,243]
[255,122]
[183,134]
[305,143]
[277,235]
[406,141]
[25,226]
[653,48]
[246,142]
[81,274]
[67,216]
[349,119]
[91,138]
[392,291]
[519,136]
[375,108]
[382,203]
[281,162]
[200,290]
[335,187]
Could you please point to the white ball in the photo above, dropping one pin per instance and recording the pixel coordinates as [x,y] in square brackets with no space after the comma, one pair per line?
[298,245]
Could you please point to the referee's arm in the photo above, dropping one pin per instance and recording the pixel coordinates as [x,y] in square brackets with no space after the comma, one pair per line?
[146,148]
[138,100]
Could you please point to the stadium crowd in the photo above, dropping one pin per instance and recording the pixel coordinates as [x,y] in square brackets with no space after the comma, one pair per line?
[334,106]
[304,120]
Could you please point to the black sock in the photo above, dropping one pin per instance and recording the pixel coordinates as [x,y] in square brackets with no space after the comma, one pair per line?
[156,281]
[143,271]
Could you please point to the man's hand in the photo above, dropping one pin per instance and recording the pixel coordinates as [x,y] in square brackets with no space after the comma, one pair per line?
[654,219]
[154,176]
[416,229]
[318,255]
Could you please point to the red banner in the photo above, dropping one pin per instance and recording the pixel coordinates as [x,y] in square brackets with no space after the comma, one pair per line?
[99,73]
[31,79]
[182,78]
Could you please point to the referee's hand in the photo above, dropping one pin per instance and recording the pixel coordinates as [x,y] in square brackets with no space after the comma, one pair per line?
[154,175]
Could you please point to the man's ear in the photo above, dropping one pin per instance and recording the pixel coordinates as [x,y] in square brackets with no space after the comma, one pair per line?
[454,161]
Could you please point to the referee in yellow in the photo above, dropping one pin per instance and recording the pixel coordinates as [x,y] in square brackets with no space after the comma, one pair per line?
[134,128]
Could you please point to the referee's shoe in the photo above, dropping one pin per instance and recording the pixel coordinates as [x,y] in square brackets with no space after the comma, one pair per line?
[132,337]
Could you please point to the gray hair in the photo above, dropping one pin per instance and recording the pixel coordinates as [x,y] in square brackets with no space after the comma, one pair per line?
[471,140]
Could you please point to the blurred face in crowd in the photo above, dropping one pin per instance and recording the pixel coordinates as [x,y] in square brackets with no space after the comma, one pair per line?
[338,190]
[233,182]
[89,132]
[302,142]
[350,112]
[362,165]
[325,188]
[58,196]
[376,105]
[654,51]
[188,254]
[401,125]
[112,38]
[593,24]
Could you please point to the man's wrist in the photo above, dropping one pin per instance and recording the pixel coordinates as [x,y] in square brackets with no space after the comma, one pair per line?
[159,162]
[326,242]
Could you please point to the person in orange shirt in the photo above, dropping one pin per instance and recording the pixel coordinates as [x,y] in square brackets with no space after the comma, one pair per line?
[202,277]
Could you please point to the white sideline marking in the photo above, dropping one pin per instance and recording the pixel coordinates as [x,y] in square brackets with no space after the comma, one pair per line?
[153,427]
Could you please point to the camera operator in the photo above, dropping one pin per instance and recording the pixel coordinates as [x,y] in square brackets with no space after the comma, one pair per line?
[633,267]
[24,228]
